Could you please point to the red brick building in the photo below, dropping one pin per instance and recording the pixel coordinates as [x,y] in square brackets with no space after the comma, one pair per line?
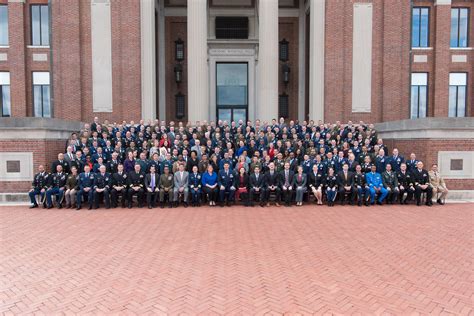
[195,60]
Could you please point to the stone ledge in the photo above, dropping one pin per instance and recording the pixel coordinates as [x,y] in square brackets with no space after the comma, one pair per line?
[23,199]
[18,128]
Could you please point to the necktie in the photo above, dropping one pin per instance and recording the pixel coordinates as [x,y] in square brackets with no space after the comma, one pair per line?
[286,178]
[87,175]
[152,182]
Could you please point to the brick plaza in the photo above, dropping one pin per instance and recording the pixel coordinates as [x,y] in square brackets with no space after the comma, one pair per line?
[396,260]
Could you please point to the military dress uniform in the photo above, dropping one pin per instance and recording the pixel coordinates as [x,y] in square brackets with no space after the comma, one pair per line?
[102,181]
[226,179]
[40,182]
[118,187]
[330,182]
[166,188]
[58,184]
[86,180]
[405,184]
[195,188]
[374,180]
[135,180]
[421,177]
[390,182]
[360,188]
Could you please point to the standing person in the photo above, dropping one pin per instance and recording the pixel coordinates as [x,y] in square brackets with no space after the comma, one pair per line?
[316,183]
[86,182]
[299,183]
[422,184]
[209,184]
[166,187]
[226,184]
[286,180]
[119,186]
[331,186]
[272,182]
[374,180]
[390,182]
[129,163]
[257,186]
[344,183]
[360,187]
[39,186]
[195,186]
[241,184]
[405,184]
[438,185]
[72,186]
[57,187]
[151,184]
[135,184]
[101,187]
[181,178]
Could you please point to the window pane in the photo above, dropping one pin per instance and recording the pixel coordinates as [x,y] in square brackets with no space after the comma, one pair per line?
[6,101]
[461,101]
[37,101]
[224,115]
[414,102]
[231,84]
[415,26]
[424,29]
[423,101]
[35,25]
[454,27]
[3,25]
[44,25]
[240,114]
[46,103]
[452,101]
[463,22]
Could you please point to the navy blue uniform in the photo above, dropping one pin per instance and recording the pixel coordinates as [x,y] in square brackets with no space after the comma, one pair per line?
[85,181]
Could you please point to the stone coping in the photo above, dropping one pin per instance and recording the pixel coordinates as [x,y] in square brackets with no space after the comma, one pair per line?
[39,123]
[429,123]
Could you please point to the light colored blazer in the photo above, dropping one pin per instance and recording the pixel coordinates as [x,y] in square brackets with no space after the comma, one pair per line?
[181,181]
[436,180]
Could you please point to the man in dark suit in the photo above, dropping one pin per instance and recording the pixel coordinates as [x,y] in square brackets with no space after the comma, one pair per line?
[135,185]
[101,187]
[226,184]
[272,182]
[257,186]
[61,161]
[286,180]
[344,183]
[151,184]
[86,184]
[422,184]
[119,186]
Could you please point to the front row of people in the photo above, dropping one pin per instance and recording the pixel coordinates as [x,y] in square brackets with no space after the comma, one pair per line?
[227,186]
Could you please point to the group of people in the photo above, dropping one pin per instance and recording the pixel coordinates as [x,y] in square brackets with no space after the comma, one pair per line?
[241,162]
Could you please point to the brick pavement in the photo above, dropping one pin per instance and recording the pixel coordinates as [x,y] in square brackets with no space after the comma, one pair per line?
[210,261]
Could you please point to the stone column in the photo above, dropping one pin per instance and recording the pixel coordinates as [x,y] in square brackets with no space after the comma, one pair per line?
[148,59]
[442,59]
[316,59]
[267,104]
[198,76]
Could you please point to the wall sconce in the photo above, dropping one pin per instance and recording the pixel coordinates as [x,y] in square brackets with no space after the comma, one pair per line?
[179,50]
[286,73]
[178,73]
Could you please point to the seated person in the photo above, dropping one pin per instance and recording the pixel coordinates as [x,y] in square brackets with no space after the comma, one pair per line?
[241,184]
[180,180]
[286,181]
[39,185]
[422,184]
[374,180]
[226,184]
[57,188]
[152,182]
[195,186]
[257,186]
[440,191]
[272,181]
[210,185]
[344,183]
[405,184]
[166,187]
[86,183]
[390,182]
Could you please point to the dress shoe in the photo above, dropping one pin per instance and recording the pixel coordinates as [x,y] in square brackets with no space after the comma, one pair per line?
[34,206]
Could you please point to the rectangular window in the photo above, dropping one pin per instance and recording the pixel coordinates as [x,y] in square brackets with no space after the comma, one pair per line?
[419,95]
[5,109]
[420,27]
[41,94]
[457,94]
[3,25]
[459,27]
[39,25]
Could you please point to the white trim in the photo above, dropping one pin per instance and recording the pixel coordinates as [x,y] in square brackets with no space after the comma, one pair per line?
[419,79]
[461,48]
[422,48]
[4,46]
[36,46]
[4,78]
[41,78]
[457,79]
